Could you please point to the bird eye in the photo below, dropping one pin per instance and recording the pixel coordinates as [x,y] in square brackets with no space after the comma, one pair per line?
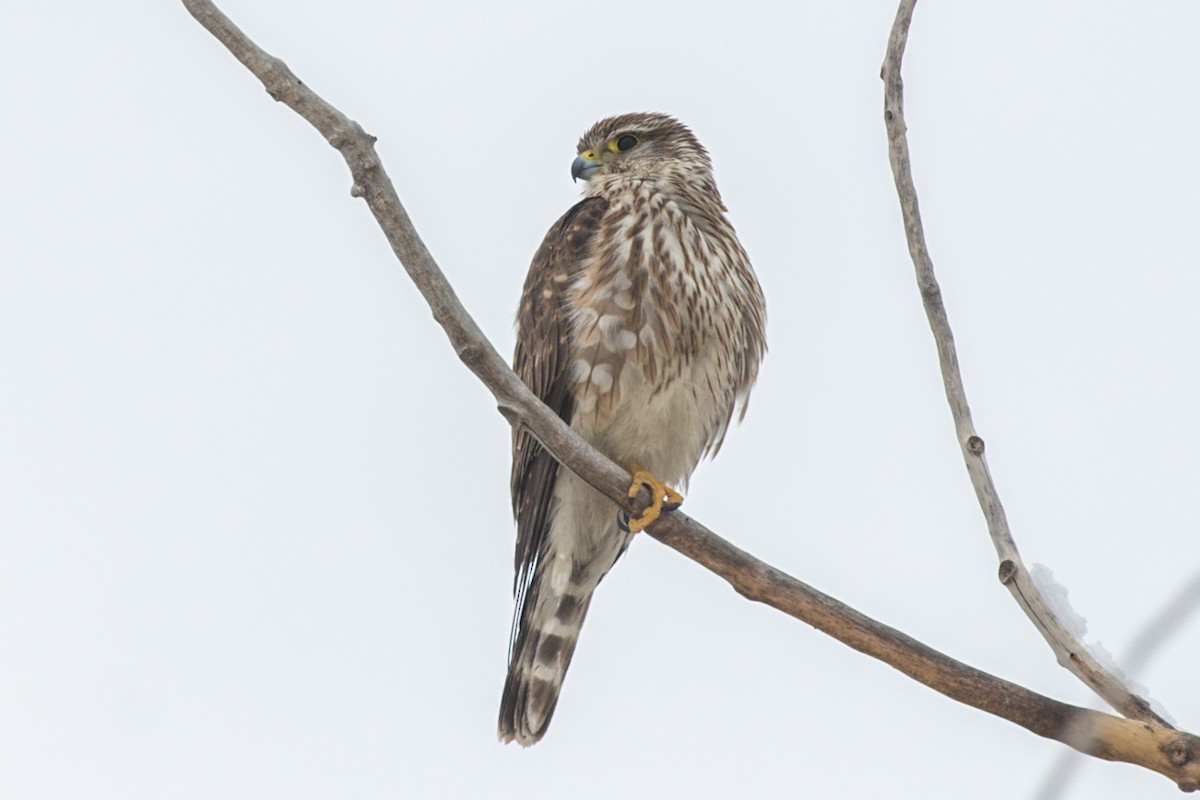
[626,142]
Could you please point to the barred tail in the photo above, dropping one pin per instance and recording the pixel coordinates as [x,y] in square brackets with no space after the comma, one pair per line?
[547,628]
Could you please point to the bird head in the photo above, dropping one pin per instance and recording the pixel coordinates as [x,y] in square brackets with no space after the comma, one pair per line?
[640,145]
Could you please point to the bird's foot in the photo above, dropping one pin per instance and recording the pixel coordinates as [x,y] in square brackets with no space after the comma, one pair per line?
[662,498]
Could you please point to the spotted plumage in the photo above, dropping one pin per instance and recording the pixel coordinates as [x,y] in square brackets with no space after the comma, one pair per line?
[641,325]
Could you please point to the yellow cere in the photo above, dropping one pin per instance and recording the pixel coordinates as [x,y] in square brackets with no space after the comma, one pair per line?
[590,155]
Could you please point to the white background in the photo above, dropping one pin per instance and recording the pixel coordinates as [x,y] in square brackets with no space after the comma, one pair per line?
[255,537]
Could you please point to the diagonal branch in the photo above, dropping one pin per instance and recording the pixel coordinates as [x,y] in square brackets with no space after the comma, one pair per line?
[1156,747]
[1068,649]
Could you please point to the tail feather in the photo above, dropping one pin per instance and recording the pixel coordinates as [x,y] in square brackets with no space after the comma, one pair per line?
[547,629]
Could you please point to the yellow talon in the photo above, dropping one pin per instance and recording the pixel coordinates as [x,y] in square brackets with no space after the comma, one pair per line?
[659,493]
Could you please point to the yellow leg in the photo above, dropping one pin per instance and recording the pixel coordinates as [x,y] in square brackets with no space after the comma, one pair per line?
[659,492]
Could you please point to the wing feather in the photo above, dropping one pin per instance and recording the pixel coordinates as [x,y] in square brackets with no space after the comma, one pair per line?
[542,358]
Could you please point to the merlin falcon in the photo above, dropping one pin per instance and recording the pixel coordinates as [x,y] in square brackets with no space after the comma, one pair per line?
[642,326]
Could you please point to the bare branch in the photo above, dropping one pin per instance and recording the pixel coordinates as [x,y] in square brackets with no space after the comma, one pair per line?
[1070,652]
[1169,752]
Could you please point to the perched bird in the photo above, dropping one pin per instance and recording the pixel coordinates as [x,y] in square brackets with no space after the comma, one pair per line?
[642,325]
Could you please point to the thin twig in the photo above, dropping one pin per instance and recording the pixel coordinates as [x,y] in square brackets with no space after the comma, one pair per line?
[1152,746]
[1070,652]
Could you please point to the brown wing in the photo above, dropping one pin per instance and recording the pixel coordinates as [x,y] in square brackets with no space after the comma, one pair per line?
[541,360]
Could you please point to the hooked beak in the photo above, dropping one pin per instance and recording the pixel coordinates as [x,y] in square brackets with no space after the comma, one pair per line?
[584,167]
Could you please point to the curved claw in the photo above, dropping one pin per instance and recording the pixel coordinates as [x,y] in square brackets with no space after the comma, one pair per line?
[662,497]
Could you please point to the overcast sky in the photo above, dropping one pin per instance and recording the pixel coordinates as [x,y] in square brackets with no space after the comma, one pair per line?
[255,537]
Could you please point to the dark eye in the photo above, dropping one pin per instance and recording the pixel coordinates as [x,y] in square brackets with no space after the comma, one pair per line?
[626,142]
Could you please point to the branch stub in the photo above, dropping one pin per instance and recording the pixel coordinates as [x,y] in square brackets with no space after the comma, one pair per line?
[1179,751]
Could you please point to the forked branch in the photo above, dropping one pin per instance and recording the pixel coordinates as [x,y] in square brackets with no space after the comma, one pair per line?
[1147,744]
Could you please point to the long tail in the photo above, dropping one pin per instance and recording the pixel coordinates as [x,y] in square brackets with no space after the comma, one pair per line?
[546,628]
